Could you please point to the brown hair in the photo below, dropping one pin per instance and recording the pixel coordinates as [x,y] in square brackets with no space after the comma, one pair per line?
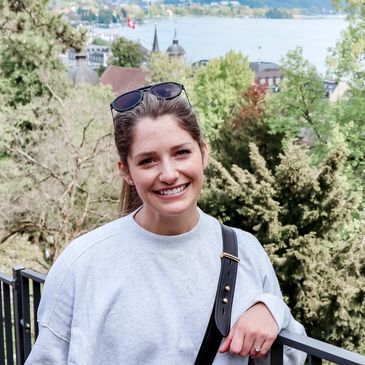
[151,107]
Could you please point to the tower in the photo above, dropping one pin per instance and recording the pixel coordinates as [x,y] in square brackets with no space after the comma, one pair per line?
[175,50]
[155,47]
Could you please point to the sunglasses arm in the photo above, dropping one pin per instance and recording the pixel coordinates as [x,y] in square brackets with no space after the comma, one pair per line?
[186,94]
[111,111]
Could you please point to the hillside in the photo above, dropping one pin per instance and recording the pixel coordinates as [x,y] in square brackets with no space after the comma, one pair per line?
[307,4]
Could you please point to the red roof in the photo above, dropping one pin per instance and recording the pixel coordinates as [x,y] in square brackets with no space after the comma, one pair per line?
[123,79]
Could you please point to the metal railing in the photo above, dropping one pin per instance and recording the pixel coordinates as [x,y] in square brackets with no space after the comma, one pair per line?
[315,349]
[19,300]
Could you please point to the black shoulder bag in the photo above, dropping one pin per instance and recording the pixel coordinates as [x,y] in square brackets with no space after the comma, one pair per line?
[220,319]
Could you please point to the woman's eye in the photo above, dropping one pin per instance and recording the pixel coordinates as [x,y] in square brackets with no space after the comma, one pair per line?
[183,152]
[146,161]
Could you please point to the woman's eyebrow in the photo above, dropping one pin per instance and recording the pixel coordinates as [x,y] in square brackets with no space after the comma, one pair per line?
[182,145]
[173,148]
[144,154]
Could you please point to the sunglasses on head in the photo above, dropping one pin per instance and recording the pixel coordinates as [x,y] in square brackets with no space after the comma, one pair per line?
[165,90]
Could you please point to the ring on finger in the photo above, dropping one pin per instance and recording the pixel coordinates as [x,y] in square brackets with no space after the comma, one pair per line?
[257,348]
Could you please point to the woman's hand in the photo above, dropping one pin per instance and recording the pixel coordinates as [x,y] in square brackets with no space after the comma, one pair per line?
[252,334]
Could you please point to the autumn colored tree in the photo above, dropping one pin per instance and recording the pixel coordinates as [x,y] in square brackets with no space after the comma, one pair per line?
[248,125]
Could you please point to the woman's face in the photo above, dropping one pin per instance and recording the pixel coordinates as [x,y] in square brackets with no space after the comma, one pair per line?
[166,166]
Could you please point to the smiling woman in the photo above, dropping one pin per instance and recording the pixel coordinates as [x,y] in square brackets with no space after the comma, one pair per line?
[163,259]
[166,166]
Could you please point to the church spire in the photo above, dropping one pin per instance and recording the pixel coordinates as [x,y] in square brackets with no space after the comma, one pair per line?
[155,47]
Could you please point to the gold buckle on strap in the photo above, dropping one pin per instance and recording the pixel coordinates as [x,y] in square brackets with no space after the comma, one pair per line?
[229,256]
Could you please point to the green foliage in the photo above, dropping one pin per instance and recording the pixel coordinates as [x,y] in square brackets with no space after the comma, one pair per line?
[347,58]
[301,110]
[100,41]
[298,212]
[161,68]
[86,15]
[126,53]
[300,104]
[277,13]
[248,125]
[30,41]
[350,115]
[106,16]
[218,87]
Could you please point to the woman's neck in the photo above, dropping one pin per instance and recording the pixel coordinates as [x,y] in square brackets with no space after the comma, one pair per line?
[167,225]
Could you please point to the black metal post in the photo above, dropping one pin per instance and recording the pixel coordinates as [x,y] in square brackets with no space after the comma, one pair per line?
[18,315]
[2,342]
[314,360]
[36,300]
[9,347]
[277,354]
[25,321]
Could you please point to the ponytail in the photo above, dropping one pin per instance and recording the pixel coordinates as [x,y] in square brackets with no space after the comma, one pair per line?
[129,199]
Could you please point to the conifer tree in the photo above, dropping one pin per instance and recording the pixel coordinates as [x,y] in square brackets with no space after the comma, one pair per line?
[298,212]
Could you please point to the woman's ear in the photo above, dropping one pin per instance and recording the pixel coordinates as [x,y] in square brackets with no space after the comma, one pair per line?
[124,173]
[205,154]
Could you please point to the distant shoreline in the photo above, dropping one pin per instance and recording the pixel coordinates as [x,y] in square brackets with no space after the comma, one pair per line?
[260,39]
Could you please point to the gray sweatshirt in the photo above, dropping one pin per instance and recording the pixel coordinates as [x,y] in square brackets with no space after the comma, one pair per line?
[122,295]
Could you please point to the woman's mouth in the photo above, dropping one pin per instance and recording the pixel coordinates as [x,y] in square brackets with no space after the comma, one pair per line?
[173,191]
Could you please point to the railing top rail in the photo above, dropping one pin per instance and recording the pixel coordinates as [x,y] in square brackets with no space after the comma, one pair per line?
[320,349]
[36,276]
[6,279]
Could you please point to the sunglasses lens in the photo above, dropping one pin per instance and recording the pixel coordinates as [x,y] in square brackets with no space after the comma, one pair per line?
[167,90]
[127,101]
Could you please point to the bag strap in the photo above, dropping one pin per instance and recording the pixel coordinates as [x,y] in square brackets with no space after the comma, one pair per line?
[220,319]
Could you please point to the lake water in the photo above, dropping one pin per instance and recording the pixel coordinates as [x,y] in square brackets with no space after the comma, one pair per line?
[259,39]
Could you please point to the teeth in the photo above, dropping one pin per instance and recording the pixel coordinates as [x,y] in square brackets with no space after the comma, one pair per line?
[172,191]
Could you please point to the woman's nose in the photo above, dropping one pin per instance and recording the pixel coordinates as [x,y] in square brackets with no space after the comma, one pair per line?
[168,173]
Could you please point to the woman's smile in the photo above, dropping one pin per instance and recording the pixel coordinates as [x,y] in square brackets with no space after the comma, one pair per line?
[174,191]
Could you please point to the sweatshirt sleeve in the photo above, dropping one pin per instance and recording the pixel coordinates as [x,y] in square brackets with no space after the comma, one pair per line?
[49,349]
[273,299]
[55,314]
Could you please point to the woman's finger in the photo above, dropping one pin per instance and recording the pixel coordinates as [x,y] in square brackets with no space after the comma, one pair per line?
[237,341]
[247,346]
[257,350]
[227,341]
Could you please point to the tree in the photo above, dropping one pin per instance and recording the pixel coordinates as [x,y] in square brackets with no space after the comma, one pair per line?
[31,40]
[298,212]
[161,68]
[106,17]
[126,53]
[347,61]
[100,41]
[347,58]
[58,179]
[218,87]
[248,125]
[301,104]
[301,109]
